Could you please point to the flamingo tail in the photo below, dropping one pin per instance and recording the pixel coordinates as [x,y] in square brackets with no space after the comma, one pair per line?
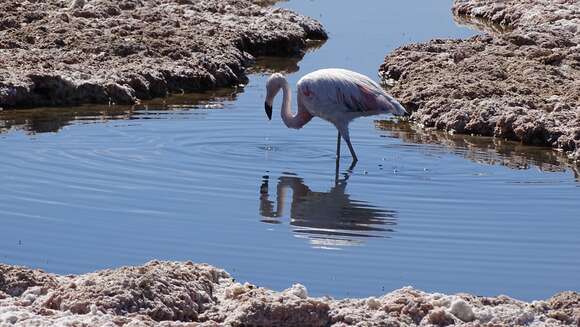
[395,107]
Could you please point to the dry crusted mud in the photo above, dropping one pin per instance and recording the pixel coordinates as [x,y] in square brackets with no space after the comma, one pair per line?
[67,52]
[187,294]
[520,80]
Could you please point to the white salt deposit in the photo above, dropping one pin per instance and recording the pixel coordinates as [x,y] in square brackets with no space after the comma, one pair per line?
[298,290]
[77,4]
[462,310]
[234,291]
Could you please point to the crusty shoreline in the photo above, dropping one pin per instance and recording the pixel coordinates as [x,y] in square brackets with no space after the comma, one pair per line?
[520,80]
[162,293]
[70,52]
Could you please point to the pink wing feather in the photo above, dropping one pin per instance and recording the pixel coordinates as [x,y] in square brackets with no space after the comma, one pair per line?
[352,92]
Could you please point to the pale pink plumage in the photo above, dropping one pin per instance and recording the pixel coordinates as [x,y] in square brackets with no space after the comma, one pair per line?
[335,95]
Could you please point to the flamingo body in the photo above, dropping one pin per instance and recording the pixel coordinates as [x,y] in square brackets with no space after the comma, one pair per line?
[335,95]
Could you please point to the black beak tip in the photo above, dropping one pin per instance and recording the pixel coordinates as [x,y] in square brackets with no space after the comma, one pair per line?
[268,110]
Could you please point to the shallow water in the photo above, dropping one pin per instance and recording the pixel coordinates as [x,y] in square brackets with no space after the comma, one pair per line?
[206,178]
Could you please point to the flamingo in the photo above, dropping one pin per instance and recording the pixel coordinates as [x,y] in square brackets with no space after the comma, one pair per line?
[335,95]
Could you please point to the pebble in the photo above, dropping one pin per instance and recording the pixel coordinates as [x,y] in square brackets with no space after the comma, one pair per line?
[462,310]
[373,303]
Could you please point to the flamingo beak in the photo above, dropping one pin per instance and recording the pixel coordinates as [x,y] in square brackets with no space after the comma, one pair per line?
[268,110]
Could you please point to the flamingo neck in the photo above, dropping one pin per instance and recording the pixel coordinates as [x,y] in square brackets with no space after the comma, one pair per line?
[288,117]
[286,112]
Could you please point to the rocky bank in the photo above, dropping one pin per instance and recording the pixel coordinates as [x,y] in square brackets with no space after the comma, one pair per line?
[187,294]
[67,52]
[519,80]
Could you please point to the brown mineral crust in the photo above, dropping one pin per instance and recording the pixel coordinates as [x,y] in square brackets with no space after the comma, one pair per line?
[185,294]
[57,52]
[165,291]
[248,305]
[548,23]
[565,307]
[15,280]
[521,84]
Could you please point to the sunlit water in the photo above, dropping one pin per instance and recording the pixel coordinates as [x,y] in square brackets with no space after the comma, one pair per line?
[212,181]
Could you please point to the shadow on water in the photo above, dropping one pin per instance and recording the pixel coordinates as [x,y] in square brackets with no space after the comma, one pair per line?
[483,150]
[47,120]
[327,219]
[285,65]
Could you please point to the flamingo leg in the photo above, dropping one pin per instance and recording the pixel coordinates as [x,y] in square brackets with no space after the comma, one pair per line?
[338,146]
[343,131]
[354,158]
[346,136]
[336,169]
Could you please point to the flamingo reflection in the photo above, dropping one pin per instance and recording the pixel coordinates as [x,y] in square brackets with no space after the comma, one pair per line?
[328,219]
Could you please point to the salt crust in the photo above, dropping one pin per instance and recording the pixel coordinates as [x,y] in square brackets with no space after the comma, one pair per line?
[519,80]
[186,294]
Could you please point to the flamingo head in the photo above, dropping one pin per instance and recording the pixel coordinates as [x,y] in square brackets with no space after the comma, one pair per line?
[273,86]
[268,108]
